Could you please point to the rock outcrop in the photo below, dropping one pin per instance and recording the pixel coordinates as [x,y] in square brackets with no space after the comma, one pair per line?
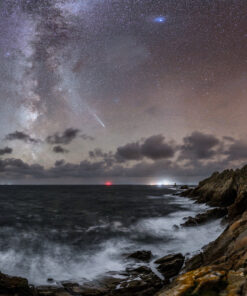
[15,286]
[170,265]
[221,269]
[226,189]
[205,217]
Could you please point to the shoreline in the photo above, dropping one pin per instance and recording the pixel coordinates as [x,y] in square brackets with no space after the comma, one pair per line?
[219,269]
[141,280]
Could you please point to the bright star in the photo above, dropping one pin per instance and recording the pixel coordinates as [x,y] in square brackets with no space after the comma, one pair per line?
[160,19]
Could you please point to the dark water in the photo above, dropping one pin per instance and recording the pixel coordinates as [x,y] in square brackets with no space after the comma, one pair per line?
[80,232]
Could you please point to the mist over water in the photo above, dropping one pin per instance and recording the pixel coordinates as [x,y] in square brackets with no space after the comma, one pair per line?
[80,232]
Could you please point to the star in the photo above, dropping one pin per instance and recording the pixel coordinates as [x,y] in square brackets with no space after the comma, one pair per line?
[160,19]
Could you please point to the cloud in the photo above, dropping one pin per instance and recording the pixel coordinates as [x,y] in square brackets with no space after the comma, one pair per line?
[107,157]
[59,149]
[131,151]
[199,146]
[21,136]
[153,156]
[65,137]
[237,150]
[6,150]
[153,148]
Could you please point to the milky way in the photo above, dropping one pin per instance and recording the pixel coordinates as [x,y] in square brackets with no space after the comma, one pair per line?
[121,72]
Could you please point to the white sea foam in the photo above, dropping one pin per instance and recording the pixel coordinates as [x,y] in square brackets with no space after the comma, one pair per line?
[60,264]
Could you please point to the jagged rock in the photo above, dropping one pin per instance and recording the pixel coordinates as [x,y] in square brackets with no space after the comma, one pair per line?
[141,255]
[205,217]
[16,286]
[226,189]
[170,265]
[144,284]
[218,190]
[220,269]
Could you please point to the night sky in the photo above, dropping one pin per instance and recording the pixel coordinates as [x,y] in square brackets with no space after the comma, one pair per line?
[128,91]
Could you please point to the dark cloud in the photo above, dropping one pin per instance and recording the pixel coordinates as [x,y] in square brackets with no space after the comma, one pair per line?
[21,136]
[107,157]
[237,150]
[17,169]
[59,149]
[153,148]
[199,146]
[131,151]
[6,150]
[96,153]
[65,137]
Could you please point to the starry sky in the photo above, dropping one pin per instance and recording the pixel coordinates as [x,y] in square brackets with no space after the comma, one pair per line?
[131,91]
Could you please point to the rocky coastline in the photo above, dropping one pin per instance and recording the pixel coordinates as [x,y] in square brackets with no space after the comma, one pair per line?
[220,269]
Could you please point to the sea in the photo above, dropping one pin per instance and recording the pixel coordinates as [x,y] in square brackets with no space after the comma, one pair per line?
[80,233]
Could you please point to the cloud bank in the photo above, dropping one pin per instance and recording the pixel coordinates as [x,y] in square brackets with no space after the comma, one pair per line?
[199,154]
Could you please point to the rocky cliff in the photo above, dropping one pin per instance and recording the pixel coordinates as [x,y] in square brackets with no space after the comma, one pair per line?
[221,269]
[226,189]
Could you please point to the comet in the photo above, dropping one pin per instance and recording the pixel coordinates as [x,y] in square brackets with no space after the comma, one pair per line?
[98,120]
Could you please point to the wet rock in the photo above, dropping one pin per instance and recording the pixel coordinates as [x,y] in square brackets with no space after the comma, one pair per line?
[170,265]
[205,217]
[145,284]
[141,255]
[16,286]
[184,187]
[50,280]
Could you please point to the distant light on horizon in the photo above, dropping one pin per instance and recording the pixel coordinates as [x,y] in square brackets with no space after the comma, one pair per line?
[160,19]
[108,183]
[164,182]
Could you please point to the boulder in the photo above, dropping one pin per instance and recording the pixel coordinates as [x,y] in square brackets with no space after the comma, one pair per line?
[170,265]
[141,255]
[16,286]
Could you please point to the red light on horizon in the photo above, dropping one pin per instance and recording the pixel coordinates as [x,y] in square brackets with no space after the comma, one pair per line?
[108,183]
